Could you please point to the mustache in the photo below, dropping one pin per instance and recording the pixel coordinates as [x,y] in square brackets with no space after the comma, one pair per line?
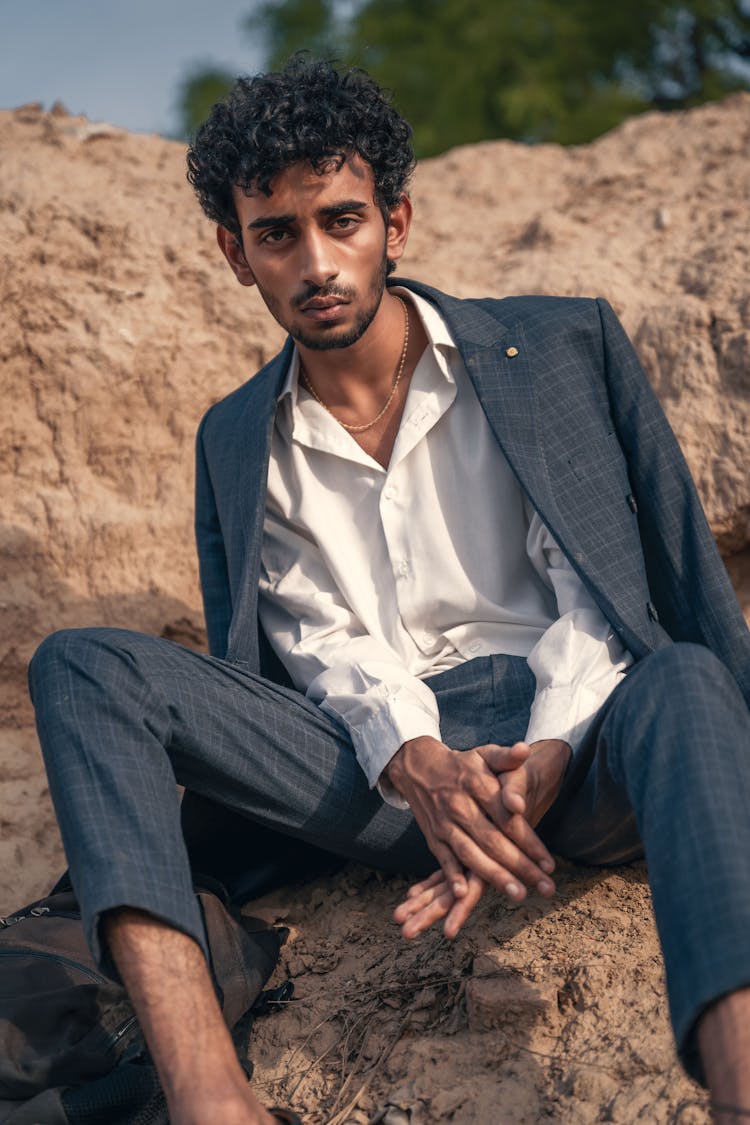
[345,292]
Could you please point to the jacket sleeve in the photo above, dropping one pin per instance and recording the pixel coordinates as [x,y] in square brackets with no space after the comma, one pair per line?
[212,559]
[687,579]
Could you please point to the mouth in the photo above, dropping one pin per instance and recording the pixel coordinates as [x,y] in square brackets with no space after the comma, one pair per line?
[323,308]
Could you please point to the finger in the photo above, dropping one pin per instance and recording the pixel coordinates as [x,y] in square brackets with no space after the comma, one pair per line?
[413,905]
[418,888]
[513,823]
[517,829]
[451,866]
[511,781]
[436,910]
[495,857]
[502,758]
[463,907]
[482,854]
[513,788]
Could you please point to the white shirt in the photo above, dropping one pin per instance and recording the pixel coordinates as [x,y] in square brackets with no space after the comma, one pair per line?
[373,579]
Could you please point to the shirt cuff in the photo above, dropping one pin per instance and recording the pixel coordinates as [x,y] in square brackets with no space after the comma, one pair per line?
[390,794]
[399,719]
[564,712]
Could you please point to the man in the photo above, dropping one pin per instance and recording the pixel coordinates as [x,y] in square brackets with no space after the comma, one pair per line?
[437,539]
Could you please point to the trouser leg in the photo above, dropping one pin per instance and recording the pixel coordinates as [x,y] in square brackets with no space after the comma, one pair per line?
[483,700]
[245,857]
[122,716]
[668,763]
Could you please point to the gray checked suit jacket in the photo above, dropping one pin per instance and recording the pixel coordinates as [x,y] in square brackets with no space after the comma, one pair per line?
[572,410]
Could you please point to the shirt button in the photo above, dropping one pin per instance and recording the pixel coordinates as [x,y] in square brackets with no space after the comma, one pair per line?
[475,646]
[428,639]
[389,492]
[403,568]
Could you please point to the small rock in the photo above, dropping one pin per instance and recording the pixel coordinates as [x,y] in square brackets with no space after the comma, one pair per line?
[662,218]
[425,998]
[394,1115]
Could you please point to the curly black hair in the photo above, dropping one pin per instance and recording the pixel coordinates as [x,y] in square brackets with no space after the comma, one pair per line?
[310,111]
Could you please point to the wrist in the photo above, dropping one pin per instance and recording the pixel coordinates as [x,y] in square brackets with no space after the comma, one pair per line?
[398,771]
[547,765]
[552,746]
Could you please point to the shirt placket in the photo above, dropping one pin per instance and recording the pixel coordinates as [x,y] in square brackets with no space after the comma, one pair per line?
[400,507]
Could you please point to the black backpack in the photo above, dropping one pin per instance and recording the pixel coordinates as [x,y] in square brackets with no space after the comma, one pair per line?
[71,1049]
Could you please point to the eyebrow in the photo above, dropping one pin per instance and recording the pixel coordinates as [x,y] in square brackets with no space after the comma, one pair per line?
[335,209]
[344,206]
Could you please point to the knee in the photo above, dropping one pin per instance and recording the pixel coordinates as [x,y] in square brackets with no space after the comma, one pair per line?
[67,652]
[53,653]
[677,697]
[681,669]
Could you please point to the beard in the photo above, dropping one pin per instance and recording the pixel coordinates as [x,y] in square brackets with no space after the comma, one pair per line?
[327,339]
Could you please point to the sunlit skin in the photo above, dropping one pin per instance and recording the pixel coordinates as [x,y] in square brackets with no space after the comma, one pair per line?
[480,828]
[316,248]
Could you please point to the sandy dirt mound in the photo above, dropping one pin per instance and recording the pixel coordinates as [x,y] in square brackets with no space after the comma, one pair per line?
[119,325]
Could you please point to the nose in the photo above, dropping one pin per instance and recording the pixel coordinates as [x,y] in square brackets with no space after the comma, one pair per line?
[318,261]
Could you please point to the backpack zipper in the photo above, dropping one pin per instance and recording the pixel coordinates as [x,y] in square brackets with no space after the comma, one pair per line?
[123,1029]
[36,912]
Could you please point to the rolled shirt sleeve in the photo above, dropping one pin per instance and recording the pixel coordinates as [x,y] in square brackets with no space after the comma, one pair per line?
[579,659]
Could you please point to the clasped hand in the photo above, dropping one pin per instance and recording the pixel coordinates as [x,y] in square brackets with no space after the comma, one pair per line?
[477,809]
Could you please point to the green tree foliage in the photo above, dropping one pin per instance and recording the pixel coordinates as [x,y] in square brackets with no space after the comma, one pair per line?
[198,92]
[536,70]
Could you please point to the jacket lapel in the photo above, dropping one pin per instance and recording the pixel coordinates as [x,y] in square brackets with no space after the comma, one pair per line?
[496,357]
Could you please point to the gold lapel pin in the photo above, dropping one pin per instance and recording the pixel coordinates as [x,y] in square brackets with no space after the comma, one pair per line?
[510,352]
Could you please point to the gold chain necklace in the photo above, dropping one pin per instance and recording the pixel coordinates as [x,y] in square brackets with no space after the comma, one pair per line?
[358,429]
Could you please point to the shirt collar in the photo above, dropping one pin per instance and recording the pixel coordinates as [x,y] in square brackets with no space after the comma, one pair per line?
[438,335]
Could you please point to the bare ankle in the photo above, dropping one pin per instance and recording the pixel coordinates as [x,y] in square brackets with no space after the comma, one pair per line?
[230,1107]
[724,1040]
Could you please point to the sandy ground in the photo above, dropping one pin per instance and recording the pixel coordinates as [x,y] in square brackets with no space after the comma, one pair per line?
[548,1011]
[118,326]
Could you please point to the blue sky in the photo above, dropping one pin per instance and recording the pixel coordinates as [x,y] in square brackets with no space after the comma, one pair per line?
[117,60]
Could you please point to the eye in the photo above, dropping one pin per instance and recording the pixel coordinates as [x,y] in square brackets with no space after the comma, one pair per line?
[275,236]
[345,222]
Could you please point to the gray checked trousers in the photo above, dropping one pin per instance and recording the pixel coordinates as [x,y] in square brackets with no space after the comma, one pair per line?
[664,770]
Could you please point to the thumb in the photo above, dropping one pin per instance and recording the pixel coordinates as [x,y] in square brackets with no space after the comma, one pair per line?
[513,787]
[500,759]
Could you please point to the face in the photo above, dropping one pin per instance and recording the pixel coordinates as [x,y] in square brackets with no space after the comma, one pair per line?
[317,248]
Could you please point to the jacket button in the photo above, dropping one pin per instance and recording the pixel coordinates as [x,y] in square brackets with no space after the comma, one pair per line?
[652,612]
[632,503]
[511,352]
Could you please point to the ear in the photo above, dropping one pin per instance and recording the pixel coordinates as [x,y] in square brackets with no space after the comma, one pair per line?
[397,233]
[231,248]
